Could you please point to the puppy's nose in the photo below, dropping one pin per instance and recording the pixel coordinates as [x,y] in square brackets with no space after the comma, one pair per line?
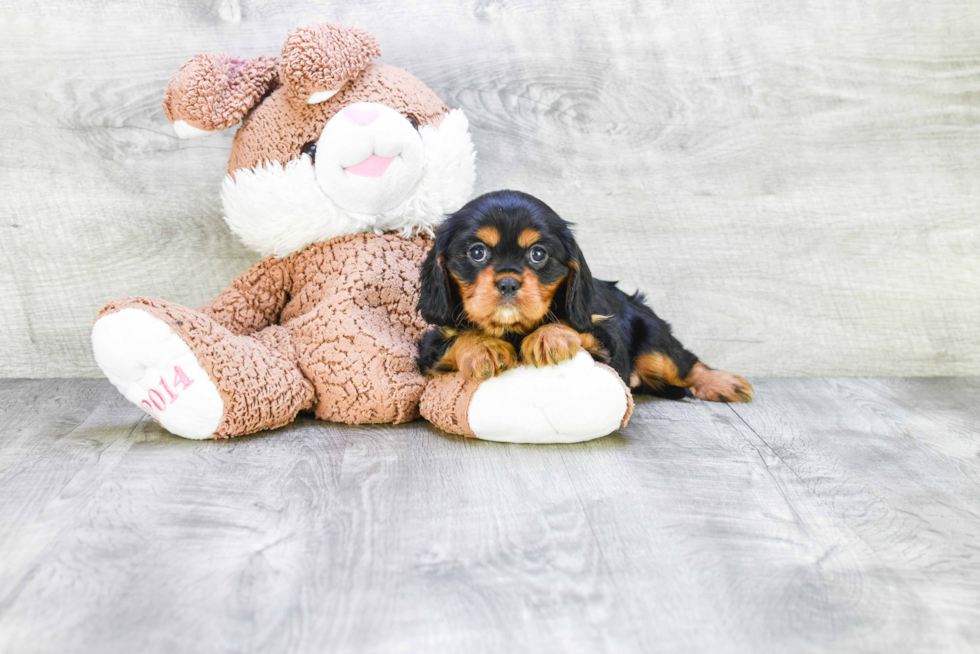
[362,113]
[508,286]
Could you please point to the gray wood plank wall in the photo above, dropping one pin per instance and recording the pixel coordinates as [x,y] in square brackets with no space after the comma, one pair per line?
[794,183]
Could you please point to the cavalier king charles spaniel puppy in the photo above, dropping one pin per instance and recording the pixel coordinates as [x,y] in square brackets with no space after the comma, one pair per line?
[505,283]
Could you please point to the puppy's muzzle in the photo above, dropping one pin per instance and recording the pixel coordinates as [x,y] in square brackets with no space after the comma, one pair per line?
[508,286]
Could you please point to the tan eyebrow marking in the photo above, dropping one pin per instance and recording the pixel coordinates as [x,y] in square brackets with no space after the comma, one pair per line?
[528,237]
[489,235]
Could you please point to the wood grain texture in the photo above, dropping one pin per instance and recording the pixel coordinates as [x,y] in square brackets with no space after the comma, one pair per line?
[833,515]
[793,183]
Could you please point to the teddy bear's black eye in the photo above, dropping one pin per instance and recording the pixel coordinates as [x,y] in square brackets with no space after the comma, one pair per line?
[310,149]
[411,121]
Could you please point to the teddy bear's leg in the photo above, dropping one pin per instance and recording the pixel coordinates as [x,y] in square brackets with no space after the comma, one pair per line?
[364,370]
[361,362]
[195,377]
[576,400]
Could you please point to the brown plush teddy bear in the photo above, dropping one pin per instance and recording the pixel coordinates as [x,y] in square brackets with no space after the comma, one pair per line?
[339,173]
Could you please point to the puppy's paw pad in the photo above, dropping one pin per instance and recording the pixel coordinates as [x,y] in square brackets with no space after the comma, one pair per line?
[155,370]
[549,345]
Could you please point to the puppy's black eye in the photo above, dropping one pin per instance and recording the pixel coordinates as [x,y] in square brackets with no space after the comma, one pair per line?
[478,253]
[538,255]
[414,123]
[310,149]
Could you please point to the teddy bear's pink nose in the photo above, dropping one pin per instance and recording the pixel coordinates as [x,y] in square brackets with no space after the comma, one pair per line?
[362,113]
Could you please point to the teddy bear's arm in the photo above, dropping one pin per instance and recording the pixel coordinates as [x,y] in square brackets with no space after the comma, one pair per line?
[575,400]
[255,299]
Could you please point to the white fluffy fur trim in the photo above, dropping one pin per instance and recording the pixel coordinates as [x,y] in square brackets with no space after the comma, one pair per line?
[447,178]
[276,210]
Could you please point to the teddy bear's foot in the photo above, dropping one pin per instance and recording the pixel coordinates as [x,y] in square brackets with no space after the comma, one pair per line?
[194,375]
[156,370]
[576,400]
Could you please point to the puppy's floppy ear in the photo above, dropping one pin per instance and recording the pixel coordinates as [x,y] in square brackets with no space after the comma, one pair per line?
[578,293]
[435,298]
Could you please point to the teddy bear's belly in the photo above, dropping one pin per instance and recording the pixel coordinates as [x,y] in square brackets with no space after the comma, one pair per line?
[359,273]
[355,327]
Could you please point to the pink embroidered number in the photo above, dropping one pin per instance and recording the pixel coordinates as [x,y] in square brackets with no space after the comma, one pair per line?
[155,399]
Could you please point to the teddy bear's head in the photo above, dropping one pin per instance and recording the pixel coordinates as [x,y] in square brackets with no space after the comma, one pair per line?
[330,144]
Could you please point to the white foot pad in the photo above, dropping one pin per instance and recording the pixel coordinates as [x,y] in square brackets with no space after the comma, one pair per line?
[155,370]
[568,403]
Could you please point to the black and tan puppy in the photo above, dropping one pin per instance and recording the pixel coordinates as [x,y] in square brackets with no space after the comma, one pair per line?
[505,276]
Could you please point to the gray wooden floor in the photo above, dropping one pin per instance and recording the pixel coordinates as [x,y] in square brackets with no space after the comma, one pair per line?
[832,515]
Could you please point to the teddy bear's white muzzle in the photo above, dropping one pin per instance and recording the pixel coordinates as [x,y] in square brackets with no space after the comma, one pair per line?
[368,158]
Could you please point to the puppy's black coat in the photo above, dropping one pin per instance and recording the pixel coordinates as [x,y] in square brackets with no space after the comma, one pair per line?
[506,263]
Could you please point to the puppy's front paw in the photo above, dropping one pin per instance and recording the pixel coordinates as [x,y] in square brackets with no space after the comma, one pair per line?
[480,358]
[550,344]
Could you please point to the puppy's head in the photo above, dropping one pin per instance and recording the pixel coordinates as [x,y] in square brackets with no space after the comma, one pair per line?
[502,263]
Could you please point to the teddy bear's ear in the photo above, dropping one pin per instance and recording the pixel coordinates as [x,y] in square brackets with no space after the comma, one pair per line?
[214,91]
[318,60]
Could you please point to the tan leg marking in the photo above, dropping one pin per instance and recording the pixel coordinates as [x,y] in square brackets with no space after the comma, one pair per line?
[550,344]
[478,356]
[657,370]
[594,347]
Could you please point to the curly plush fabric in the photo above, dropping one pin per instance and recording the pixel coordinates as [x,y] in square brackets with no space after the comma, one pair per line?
[626,390]
[214,91]
[446,403]
[324,57]
[257,376]
[278,128]
[352,314]
[331,328]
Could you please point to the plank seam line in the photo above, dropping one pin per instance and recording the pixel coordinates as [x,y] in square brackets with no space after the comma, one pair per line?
[844,523]
[801,523]
[809,489]
[774,453]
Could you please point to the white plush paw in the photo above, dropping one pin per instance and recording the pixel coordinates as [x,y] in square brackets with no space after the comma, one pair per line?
[155,370]
[571,402]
